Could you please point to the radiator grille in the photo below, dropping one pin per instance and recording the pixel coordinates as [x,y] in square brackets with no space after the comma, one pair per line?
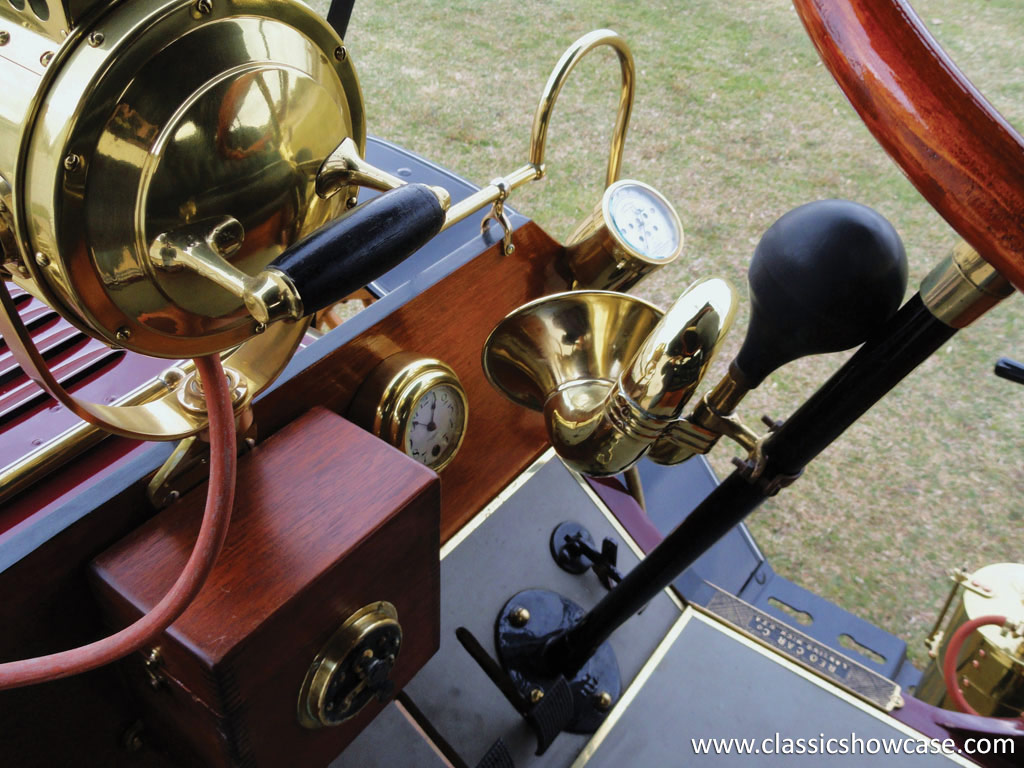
[29,417]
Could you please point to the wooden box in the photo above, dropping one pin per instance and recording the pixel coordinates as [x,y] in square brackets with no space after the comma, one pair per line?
[327,519]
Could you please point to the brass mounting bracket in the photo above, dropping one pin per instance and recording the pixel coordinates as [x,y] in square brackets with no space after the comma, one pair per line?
[498,214]
[186,467]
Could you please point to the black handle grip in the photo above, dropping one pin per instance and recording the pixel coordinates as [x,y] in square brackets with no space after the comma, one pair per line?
[345,255]
[1010,370]
[824,278]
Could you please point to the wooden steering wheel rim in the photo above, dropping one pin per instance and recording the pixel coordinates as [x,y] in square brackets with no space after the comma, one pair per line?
[959,152]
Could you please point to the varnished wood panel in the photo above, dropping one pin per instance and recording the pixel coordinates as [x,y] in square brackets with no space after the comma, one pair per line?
[450,321]
[310,542]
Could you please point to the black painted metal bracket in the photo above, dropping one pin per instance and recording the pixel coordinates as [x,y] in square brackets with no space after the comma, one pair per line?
[528,621]
[338,15]
[573,549]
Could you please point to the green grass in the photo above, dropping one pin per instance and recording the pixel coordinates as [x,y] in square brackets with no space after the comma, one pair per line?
[737,122]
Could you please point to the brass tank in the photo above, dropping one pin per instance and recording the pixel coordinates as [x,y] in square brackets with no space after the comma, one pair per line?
[990,666]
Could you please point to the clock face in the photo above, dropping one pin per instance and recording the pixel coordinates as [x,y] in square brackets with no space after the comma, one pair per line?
[436,426]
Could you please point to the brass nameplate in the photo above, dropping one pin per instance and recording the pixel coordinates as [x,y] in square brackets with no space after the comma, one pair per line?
[813,656]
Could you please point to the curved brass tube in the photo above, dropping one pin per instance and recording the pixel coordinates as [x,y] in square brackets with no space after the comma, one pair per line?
[565,65]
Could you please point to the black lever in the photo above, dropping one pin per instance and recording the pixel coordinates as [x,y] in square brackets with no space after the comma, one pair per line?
[548,716]
[1010,370]
[345,255]
[825,277]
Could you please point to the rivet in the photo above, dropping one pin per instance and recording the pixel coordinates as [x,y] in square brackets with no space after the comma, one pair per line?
[72,162]
[519,617]
[352,202]
[171,377]
[96,39]
[340,53]
[132,739]
[204,6]
[536,695]
[5,37]
[259,327]
[153,664]
[174,495]
[42,260]
[510,249]
[46,58]
[123,333]
[603,701]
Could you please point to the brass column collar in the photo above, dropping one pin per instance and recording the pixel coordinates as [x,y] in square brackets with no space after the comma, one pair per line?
[963,287]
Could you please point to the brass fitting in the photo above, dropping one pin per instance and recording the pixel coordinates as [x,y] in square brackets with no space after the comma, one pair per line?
[963,287]
[601,428]
[344,168]
[712,417]
[203,248]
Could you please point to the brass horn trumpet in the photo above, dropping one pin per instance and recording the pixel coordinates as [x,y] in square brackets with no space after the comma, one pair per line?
[609,371]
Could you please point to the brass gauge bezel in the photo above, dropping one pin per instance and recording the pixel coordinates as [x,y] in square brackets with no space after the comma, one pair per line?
[314,707]
[600,258]
[385,402]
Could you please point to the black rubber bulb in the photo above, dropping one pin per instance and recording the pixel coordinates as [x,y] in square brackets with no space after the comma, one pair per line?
[824,278]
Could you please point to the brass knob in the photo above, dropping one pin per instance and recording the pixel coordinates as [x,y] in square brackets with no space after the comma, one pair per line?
[353,667]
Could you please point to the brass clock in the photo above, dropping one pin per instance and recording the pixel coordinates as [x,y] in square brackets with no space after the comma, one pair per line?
[415,403]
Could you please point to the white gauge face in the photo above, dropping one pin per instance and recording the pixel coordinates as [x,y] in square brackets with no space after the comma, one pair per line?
[438,421]
[644,221]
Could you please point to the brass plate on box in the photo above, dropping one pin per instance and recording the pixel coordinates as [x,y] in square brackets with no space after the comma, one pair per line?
[352,668]
[815,657]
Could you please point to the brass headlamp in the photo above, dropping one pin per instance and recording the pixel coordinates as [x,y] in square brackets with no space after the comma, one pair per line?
[123,122]
[159,161]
